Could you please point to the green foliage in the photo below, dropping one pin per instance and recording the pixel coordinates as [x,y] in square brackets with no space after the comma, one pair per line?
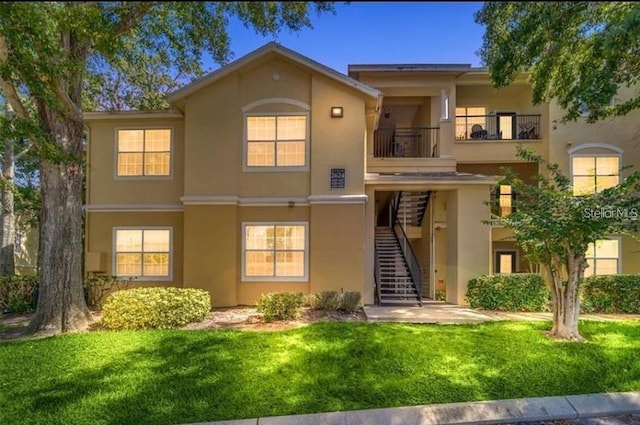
[160,308]
[580,53]
[325,300]
[280,305]
[97,287]
[17,293]
[611,294]
[177,377]
[508,292]
[441,295]
[348,301]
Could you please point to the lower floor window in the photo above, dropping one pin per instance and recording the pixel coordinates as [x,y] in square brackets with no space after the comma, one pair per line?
[142,252]
[275,251]
[603,257]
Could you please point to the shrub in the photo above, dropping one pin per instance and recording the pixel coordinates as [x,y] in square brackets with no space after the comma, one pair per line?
[348,302]
[509,292]
[611,294]
[18,293]
[280,305]
[325,300]
[441,295]
[97,287]
[160,308]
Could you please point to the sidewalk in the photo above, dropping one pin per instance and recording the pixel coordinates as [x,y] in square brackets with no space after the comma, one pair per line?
[483,412]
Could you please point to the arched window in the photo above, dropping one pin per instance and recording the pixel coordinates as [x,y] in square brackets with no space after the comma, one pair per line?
[594,167]
[276,135]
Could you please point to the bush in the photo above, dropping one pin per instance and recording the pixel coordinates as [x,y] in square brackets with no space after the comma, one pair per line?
[509,292]
[97,287]
[611,294]
[348,302]
[280,305]
[325,300]
[18,294]
[441,295]
[160,308]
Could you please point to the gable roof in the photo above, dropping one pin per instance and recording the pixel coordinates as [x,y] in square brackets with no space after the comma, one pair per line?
[283,51]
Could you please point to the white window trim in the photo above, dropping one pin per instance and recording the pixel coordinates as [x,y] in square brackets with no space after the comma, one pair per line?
[278,169]
[143,177]
[619,239]
[142,278]
[614,153]
[304,278]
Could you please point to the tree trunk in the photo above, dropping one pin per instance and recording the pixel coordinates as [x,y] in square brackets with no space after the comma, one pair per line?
[61,303]
[7,261]
[567,309]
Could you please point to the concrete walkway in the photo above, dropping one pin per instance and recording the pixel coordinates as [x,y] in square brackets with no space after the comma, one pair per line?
[439,312]
[483,412]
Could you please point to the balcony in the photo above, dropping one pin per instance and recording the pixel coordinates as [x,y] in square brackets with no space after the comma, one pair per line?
[408,150]
[501,126]
[406,142]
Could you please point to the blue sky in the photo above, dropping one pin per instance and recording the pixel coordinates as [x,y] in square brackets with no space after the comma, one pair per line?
[380,32]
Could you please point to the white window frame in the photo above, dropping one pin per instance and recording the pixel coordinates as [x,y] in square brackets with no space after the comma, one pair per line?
[114,252]
[304,278]
[619,268]
[142,176]
[304,111]
[612,151]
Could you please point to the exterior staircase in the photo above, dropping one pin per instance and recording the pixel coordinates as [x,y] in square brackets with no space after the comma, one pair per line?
[411,206]
[394,283]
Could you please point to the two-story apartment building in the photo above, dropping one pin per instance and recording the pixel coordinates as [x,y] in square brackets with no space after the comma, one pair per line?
[276,173]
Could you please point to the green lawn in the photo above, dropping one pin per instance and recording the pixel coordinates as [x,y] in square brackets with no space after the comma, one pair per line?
[169,377]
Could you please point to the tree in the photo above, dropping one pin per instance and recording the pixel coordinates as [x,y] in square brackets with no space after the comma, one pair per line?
[553,228]
[45,54]
[579,53]
[16,190]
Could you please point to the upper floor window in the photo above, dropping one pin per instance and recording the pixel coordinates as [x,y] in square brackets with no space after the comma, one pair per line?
[143,152]
[277,141]
[603,257]
[592,174]
[143,253]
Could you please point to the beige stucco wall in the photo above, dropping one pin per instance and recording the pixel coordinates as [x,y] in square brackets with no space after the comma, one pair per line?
[469,240]
[99,238]
[214,132]
[337,247]
[105,188]
[213,250]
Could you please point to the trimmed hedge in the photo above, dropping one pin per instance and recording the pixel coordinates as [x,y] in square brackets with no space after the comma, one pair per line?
[349,301]
[611,294]
[509,292]
[158,308]
[18,294]
[280,305]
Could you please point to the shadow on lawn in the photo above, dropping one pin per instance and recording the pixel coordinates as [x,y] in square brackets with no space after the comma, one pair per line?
[182,377]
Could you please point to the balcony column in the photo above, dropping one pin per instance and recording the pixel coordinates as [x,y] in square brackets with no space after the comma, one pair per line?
[446,125]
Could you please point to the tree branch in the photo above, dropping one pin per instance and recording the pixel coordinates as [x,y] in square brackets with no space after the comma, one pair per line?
[24,151]
[136,12]
[7,87]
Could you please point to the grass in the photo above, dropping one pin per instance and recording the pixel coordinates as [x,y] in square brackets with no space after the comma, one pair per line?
[171,377]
